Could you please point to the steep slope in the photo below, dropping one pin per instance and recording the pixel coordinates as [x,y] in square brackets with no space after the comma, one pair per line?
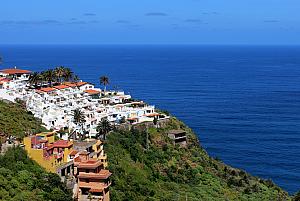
[23,179]
[149,167]
[15,120]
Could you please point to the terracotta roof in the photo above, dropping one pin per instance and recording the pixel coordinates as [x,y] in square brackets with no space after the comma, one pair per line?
[70,84]
[13,71]
[75,84]
[92,92]
[81,83]
[96,186]
[60,144]
[90,164]
[47,89]
[103,174]
[61,86]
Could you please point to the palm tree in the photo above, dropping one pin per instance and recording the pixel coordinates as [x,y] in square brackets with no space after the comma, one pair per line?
[59,71]
[49,76]
[79,119]
[68,74]
[76,78]
[34,78]
[103,128]
[104,80]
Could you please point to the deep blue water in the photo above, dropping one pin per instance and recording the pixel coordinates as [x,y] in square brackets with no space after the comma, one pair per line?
[242,101]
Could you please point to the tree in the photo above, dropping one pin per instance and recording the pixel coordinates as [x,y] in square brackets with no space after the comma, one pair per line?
[34,79]
[76,78]
[68,74]
[49,76]
[79,119]
[103,128]
[104,80]
[59,71]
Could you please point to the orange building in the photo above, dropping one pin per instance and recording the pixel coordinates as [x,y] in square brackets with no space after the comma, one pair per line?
[92,179]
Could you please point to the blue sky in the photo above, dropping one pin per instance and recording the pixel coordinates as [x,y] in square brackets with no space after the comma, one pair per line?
[150,22]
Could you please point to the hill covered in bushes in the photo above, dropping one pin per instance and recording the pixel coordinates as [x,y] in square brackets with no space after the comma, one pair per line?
[23,179]
[147,166]
[16,121]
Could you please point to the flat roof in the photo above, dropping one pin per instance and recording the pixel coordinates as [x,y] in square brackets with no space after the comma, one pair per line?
[85,144]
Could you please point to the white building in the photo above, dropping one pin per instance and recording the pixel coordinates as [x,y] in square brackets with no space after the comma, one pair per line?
[55,105]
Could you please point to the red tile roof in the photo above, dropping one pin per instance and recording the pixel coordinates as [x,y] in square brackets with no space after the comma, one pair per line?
[103,174]
[91,163]
[75,84]
[47,89]
[62,143]
[92,92]
[70,84]
[61,86]
[13,71]
[81,83]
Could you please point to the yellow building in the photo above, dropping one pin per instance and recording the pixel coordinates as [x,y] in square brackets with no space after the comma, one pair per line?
[53,155]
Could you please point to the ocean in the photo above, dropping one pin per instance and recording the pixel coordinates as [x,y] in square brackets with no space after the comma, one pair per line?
[242,101]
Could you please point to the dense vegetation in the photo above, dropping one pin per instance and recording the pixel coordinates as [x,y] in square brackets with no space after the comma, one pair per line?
[23,179]
[149,167]
[16,121]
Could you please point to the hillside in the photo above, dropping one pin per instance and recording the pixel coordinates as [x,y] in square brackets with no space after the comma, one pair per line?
[23,179]
[158,170]
[15,120]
